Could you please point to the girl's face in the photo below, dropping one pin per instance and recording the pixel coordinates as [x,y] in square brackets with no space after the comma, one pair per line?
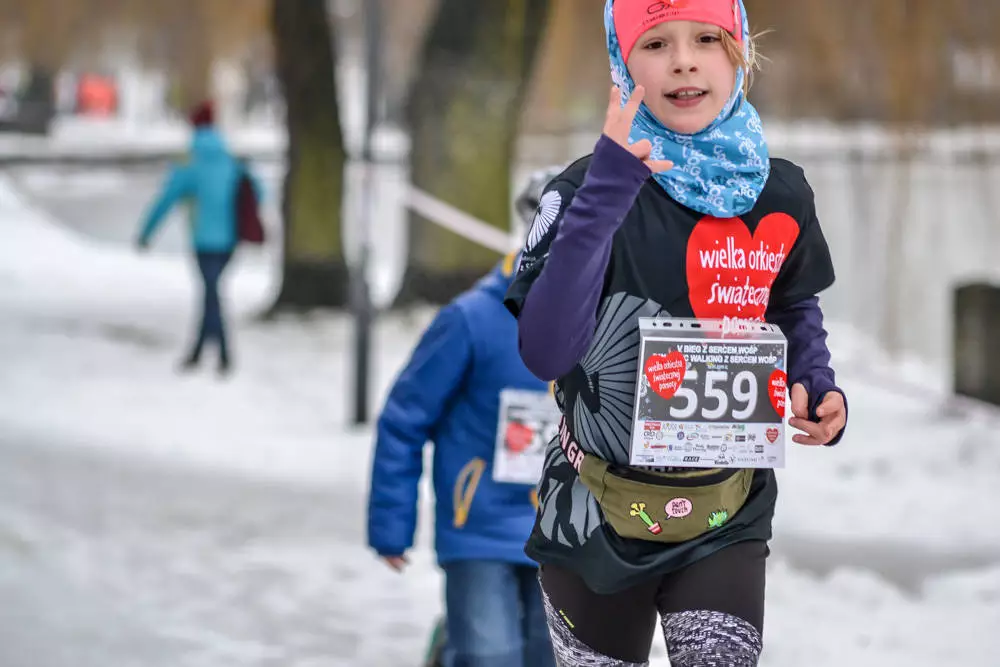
[686,71]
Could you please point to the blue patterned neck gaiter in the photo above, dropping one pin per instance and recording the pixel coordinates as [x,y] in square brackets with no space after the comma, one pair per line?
[719,171]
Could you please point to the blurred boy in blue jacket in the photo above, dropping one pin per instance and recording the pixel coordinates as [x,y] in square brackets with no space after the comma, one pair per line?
[207,182]
[449,393]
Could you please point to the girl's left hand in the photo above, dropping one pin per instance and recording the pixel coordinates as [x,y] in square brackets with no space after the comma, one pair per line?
[832,415]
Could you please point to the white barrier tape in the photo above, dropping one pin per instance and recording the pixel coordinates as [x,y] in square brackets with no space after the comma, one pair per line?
[463,224]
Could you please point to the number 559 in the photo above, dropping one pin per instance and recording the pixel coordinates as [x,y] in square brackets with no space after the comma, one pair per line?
[743,390]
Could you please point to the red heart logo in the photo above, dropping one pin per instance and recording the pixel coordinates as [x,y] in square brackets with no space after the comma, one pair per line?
[519,437]
[772,434]
[730,271]
[776,390]
[665,373]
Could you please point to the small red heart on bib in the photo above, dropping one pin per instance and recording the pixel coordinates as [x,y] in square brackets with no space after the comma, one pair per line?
[665,373]
[772,434]
[776,390]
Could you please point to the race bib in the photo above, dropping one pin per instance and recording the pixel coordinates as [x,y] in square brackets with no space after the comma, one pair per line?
[528,422]
[710,394]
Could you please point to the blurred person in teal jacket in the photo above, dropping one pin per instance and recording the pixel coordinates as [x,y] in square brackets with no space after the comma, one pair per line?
[207,182]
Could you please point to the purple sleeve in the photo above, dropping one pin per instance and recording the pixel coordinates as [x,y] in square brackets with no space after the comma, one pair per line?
[557,321]
[808,354]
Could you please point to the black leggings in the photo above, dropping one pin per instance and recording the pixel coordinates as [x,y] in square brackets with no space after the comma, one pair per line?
[725,589]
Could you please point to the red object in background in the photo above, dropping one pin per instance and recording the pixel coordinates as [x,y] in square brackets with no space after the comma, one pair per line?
[519,437]
[96,96]
[203,114]
[248,225]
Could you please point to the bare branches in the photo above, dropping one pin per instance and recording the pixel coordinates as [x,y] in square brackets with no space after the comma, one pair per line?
[51,32]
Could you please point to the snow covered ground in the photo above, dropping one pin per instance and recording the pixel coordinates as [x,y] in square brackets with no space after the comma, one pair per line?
[148,518]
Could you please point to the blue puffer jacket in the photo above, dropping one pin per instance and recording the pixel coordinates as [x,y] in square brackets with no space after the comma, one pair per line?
[448,393]
[207,182]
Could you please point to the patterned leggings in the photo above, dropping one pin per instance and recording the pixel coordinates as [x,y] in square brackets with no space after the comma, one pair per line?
[712,614]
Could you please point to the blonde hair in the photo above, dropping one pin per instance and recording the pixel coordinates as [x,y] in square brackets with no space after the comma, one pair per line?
[749,61]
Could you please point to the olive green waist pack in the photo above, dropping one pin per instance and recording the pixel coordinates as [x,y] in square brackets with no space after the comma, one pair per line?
[665,506]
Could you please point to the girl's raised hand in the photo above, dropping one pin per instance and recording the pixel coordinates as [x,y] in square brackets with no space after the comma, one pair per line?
[618,125]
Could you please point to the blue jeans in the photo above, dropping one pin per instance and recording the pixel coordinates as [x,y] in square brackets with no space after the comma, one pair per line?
[495,616]
[211,265]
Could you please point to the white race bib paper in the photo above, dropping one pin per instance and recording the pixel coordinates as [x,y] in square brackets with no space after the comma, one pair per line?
[710,394]
[528,422]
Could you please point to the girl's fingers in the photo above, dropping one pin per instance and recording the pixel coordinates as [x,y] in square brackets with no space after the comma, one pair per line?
[613,123]
[834,423]
[641,149]
[815,434]
[632,106]
[618,125]
[833,402]
[658,166]
[614,104]
[810,428]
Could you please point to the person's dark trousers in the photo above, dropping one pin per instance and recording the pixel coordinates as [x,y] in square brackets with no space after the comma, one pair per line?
[211,265]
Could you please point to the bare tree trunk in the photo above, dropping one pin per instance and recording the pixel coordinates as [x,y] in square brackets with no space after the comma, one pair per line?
[193,82]
[464,110]
[314,272]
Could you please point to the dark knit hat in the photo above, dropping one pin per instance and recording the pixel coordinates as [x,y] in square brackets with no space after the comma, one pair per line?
[203,114]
